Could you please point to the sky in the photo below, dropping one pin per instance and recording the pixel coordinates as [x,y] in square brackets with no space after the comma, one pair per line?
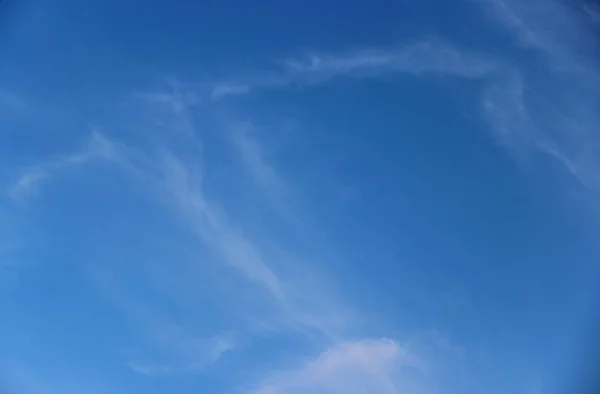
[384,197]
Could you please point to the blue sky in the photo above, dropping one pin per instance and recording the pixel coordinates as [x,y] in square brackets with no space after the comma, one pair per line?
[225,197]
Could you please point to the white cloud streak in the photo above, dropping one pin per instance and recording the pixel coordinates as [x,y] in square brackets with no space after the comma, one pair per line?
[270,183]
[378,366]
[149,369]
[517,114]
[172,109]
[184,354]
[423,58]
[177,177]
[181,177]
[229,89]
[212,225]
[252,155]
[97,147]
[561,119]
[507,13]
[237,249]
[166,342]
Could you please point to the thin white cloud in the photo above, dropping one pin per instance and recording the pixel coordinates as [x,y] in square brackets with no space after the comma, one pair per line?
[166,342]
[238,250]
[229,89]
[377,366]
[182,178]
[171,108]
[505,110]
[429,57]
[194,353]
[552,28]
[186,354]
[97,147]
[549,28]
[149,369]
[175,100]
[424,57]
[309,309]
[560,120]
[211,223]
[220,346]
[252,155]
[170,343]
[517,114]
[507,13]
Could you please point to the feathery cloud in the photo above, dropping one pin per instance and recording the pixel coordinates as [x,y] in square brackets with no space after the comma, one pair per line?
[210,222]
[368,365]
[177,177]
[557,119]
[97,147]
[270,183]
[185,354]
[517,114]
[424,57]
[166,342]
[229,89]
[429,57]
[181,178]
[378,366]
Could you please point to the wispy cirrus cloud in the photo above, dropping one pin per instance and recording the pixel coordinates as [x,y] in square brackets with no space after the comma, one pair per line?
[378,366]
[424,57]
[230,89]
[554,30]
[183,179]
[171,109]
[183,353]
[247,254]
[427,57]
[524,121]
[176,177]
[211,223]
[555,115]
[165,342]
[514,104]
[505,110]
[511,16]
[179,178]
[149,369]
[251,154]
[97,147]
